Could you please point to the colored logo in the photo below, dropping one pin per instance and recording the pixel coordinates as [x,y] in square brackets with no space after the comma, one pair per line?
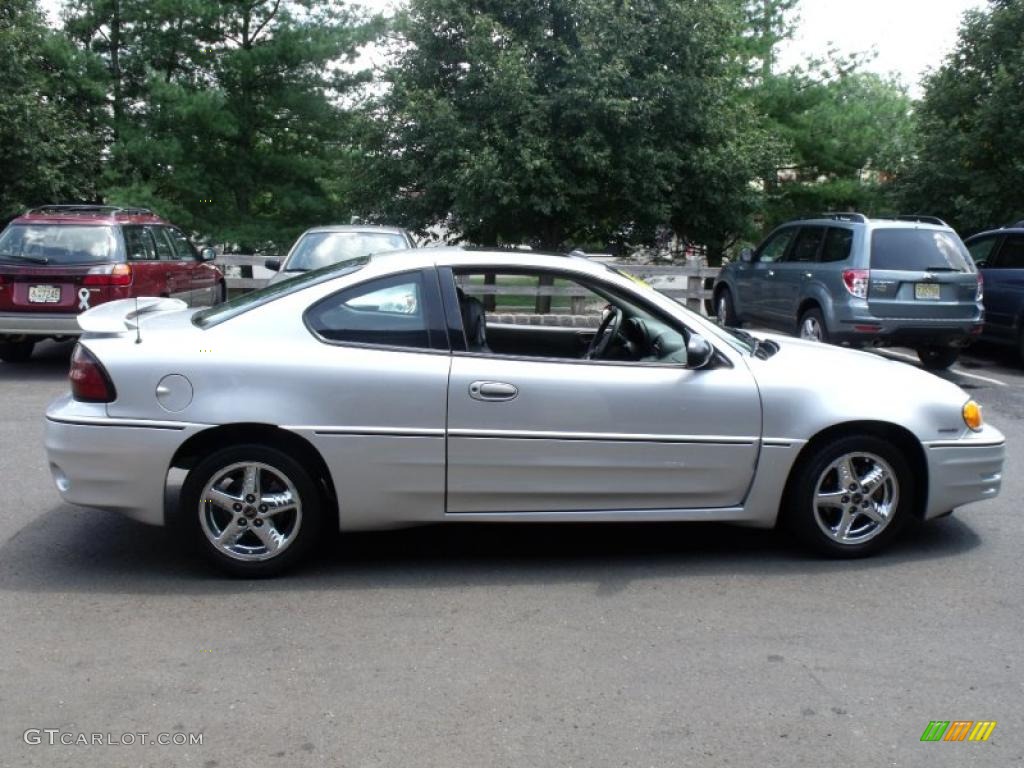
[958,730]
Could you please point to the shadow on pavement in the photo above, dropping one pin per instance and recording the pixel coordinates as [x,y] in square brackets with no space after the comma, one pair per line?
[76,550]
[49,363]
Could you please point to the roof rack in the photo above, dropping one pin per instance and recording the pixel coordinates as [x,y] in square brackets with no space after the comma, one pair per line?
[113,210]
[845,216]
[922,219]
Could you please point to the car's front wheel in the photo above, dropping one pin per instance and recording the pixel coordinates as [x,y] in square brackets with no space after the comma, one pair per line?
[850,497]
[725,309]
[16,351]
[937,358]
[253,510]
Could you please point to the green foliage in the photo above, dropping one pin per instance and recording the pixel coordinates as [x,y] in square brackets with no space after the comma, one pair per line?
[52,126]
[561,121]
[969,166]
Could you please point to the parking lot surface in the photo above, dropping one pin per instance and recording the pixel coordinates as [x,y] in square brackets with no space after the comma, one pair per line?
[654,645]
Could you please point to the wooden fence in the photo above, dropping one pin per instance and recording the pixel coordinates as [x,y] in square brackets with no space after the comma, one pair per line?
[690,285]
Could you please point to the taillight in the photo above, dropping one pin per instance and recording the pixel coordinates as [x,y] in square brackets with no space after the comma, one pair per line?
[981,288]
[856,282]
[89,380]
[117,274]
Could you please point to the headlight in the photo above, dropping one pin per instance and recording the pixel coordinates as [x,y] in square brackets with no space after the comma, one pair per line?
[972,415]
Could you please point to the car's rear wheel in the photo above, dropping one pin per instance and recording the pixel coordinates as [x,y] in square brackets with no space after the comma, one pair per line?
[812,326]
[725,309]
[253,510]
[16,351]
[937,358]
[850,497]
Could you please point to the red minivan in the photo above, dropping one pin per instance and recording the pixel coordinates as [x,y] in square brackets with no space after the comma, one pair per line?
[60,260]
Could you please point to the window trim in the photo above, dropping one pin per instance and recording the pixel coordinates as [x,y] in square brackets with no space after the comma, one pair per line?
[587,281]
[433,314]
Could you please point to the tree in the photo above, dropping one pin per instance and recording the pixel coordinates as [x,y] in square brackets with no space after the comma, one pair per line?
[230,114]
[969,163]
[565,121]
[52,124]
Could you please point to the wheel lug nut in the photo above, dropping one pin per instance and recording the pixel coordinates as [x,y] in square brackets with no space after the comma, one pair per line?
[250,498]
[846,499]
[257,523]
[241,521]
[263,508]
[238,507]
[853,487]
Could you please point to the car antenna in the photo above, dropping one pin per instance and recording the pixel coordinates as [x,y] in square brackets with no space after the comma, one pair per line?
[138,323]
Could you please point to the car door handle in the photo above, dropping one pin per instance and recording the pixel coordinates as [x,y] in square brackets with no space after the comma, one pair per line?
[808,274]
[492,390]
[771,273]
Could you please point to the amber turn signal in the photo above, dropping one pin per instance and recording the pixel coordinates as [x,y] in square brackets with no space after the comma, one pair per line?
[972,415]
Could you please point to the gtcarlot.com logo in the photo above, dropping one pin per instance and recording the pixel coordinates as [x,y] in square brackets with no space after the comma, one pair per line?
[55,736]
[958,730]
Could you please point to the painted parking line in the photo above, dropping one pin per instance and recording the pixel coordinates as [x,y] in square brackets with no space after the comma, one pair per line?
[957,371]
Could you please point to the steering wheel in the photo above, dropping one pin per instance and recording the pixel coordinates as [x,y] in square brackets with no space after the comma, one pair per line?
[606,331]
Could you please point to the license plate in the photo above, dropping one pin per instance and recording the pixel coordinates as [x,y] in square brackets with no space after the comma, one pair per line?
[926,291]
[44,294]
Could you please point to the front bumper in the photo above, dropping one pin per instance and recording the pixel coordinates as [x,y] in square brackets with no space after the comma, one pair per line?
[112,464]
[38,324]
[964,471]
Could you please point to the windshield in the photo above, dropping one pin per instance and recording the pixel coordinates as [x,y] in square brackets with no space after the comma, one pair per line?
[319,249]
[57,244]
[215,315]
[919,250]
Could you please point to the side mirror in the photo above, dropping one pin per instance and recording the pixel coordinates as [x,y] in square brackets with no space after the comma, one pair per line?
[274,265]
[207,254]
[699,352]
[746,255]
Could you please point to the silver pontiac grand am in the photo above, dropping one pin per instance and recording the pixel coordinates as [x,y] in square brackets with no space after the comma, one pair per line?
[456,385]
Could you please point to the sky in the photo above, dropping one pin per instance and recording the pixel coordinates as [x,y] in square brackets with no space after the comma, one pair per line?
[908,37]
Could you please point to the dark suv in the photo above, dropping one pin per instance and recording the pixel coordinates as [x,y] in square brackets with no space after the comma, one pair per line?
[999,255]
[847,279]
[60,260]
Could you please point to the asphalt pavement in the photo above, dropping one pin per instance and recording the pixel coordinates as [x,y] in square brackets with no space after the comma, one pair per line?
[532,646]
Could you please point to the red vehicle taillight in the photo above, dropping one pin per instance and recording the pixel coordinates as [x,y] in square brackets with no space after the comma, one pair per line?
[117,274]
[856,282]
[89,380]
[981,288]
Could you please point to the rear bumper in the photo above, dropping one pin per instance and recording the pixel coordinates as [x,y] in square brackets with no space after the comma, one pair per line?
[38,324]
[875,331]
[964,471]
[111,464]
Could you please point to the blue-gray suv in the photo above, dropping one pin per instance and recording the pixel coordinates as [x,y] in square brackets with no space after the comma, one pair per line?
[846,279]
[999,255]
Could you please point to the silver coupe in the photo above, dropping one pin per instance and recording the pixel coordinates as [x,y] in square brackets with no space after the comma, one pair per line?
[458,385]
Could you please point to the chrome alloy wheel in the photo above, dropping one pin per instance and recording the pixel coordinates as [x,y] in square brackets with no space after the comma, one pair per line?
[856,498]
[250,511]
[810,329]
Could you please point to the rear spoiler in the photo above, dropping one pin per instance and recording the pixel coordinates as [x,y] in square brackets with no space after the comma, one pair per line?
[125,314]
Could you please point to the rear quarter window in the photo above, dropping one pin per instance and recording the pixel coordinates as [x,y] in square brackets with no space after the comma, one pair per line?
[919,250]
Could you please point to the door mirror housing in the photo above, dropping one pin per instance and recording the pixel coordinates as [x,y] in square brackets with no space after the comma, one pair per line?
[747,255]
[274,265]
[207,254]
[699,352]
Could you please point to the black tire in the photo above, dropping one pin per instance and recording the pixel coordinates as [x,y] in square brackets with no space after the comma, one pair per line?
[725,309]
[801,512]
[813,316]
[16,351]
[301,528]
[223,293]
[937,358]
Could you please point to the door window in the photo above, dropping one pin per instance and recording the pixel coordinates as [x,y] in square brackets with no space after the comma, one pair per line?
[807,244]
[389,312]
[775,248]
[139,244]
[1011,255]
[164,251]
[838,244]
[182,247]
[981,251]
